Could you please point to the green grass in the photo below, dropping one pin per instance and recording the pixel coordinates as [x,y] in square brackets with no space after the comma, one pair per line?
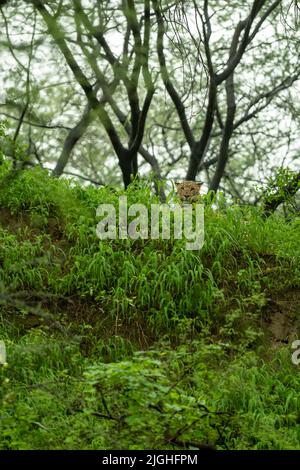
[143,344]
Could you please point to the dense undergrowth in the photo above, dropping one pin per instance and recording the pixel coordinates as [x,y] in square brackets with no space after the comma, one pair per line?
[143,344]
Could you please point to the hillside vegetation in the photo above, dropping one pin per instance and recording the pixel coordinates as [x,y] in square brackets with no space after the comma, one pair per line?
[143,344]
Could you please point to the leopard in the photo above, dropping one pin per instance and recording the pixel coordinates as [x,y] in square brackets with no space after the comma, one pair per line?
[188,191]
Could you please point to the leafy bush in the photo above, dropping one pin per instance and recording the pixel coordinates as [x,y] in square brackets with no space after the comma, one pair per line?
[141,344]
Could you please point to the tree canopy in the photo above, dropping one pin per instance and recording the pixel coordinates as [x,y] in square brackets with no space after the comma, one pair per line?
[197,90]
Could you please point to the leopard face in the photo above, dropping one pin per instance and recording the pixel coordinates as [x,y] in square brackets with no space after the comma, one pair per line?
[188,191]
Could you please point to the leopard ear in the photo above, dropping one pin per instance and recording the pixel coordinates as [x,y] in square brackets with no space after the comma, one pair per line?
[199,184]
[177,184]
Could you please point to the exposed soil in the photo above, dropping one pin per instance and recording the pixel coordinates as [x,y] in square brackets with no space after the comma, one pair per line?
[14,223]
[281,317]
[11,222]
[78,311]
[74,316]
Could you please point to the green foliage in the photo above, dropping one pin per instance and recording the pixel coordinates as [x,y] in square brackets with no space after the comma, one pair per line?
[140,344]
[9,146]
[165,279]
[283,186]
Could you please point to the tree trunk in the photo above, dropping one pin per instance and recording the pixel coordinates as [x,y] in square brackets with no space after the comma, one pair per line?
[227,134]
[198,151]
[72,138]
[128,165]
